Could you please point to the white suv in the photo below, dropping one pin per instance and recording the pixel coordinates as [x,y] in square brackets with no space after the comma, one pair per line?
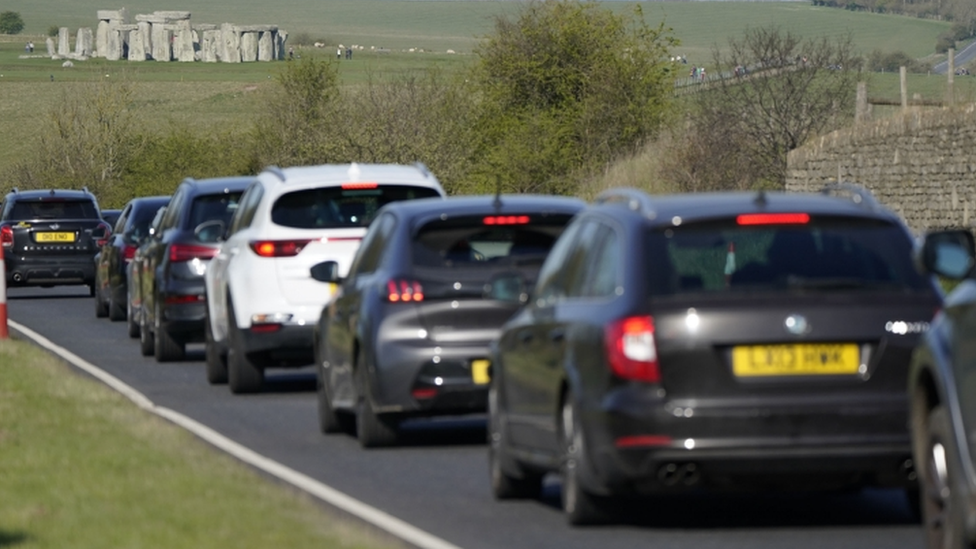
[262,302]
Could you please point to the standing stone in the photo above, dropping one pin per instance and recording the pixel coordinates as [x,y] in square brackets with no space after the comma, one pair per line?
[64,45]
[83,42]
[113,41]
[209,42]
[183,42]
[230,44]
[280,38]
[101,38]
[50,47]
[162,39]
[139,43]
[266,46]
[249,46]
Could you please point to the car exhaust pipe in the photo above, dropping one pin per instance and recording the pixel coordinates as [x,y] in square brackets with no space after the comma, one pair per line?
[673,474]
[18,277]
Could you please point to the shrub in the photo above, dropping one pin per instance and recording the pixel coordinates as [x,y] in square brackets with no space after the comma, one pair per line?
[11,22]
[879,61]
[944,42]
[53,31]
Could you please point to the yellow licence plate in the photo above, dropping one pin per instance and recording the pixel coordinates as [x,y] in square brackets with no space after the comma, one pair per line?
[54,237]
[479,372]
[800,359]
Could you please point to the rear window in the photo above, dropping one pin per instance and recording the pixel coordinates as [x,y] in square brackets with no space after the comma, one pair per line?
[214,207]
[479,241]
[822,254]
[337,207]
[53,209]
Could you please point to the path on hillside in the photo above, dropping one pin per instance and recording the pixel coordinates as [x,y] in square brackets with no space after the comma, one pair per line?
[962,57]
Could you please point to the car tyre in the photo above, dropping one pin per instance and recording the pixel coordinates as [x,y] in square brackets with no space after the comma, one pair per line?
[132,326]
[101,308]
[504,485]
[116,313]
[166,348]
[581,507]
[216,361]
[372,429]
[330,420]
[147,342]
[943,511]
[243,376]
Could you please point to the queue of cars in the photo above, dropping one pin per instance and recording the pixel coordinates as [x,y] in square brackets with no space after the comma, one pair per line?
[634,345]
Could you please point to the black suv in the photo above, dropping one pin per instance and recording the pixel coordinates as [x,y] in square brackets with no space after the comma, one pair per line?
[728,340]
[50,237]
[407,332]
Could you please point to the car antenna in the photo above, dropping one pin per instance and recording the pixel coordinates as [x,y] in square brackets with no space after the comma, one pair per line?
[761,198]
[498,192]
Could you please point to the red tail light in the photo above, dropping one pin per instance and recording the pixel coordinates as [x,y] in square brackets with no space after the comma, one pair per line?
[278,248]
[506,220]
[631,351]
[7,236]
[189,252]
[265,328]
[773,219]
[173,299]
[356,186]
[128,252]
[423,393]
[404,290]
[108,232]
[637,441]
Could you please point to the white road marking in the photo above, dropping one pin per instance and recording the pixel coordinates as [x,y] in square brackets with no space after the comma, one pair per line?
[388,523]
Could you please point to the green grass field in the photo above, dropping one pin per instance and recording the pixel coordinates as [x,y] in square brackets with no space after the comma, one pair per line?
[203,95]
[82,467]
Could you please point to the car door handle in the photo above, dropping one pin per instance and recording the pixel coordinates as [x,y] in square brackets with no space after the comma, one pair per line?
[557,335]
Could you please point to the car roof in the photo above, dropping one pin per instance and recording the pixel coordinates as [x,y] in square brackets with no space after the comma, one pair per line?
[216,185]
[695,207]
[39,194]
[425,208]
[335,174]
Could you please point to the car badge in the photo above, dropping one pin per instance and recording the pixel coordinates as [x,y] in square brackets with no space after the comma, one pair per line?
[796,324]
[55,226]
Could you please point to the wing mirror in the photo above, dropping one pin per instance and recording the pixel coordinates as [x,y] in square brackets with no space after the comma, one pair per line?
[951,254]
[210,232]
[327,271]
[507,287]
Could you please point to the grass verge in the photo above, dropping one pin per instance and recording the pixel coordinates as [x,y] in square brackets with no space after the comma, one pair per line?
[81,466]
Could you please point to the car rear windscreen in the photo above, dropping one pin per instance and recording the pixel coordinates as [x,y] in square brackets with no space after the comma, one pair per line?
[53,209]
[820,254]
[213,207]
[337,207]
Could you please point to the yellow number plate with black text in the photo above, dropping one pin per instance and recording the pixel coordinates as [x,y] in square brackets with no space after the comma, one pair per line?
[479,372]
[795,360]
[54,237]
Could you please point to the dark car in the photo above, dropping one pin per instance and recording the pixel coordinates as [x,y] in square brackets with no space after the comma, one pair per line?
[50,237]
[724,341]
[173,262]
[112,260]
[134,281]
[941,388]
[407,332]
[111,216]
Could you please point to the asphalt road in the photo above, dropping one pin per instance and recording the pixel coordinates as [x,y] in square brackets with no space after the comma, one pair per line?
[961,57]
[437,480]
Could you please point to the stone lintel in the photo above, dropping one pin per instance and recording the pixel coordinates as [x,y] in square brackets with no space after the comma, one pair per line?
[255,28]
[173,15]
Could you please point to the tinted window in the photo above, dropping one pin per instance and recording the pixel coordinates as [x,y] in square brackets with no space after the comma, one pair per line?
[140,220]
[602,269]
[551,275]
[824,254]
[214,207]
[370,251]
[247,208]
[53,209]
[336,207]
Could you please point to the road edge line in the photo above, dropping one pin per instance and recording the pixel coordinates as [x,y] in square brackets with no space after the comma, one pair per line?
[363,511]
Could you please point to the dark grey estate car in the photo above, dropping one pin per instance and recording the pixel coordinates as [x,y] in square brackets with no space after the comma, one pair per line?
[724,341]
[407,332]
[50,237]
[941,386]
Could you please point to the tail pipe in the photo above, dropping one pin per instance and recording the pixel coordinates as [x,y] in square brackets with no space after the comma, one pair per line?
[679,474]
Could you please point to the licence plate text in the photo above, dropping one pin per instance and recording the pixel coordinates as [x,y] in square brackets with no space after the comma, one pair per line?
[54,237]
[799,359]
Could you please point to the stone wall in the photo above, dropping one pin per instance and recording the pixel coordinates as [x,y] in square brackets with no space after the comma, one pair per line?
[921,164]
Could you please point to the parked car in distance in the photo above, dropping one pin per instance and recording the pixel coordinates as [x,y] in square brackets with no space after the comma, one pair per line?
[712,341]
[50,237]
[262,301]
[111,217]
[133,280]
[113,258]
[943,410]
[407,332]
[173,263]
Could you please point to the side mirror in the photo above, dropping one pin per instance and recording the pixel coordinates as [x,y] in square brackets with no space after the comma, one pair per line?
[507,287]
[951,254]
[327,271]
[210,232]
[100,233]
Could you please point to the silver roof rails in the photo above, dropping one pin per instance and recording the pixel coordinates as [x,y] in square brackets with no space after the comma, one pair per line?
[279,173]
[633,199]
[857,194]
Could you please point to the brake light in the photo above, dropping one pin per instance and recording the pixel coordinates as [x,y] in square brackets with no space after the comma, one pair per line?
[7,236]
[506,220]
[404,290]
[128,253]
[278,248]
[773,219]
[630,349]
[637,441]
[173,299]
[189,252]
[108,232]
[424,393]
[357,186]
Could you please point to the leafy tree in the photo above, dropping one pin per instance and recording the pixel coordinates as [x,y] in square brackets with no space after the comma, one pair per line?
[566,87]
[790,90]
[11,22]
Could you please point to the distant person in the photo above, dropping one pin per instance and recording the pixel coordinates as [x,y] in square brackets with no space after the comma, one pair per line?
[349,53]
[339,53]
[291,53]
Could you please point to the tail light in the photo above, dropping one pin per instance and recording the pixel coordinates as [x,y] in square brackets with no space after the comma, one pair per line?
[506,220]
[278,248]
[176,299]
[7,236]
[108,232]
[128,253]
[773,219]
[189,252]
[630,348]
[398,290]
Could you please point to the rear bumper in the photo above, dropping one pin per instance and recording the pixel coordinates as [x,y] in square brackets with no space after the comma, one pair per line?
[638,443]
[35,271]
[288,346]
